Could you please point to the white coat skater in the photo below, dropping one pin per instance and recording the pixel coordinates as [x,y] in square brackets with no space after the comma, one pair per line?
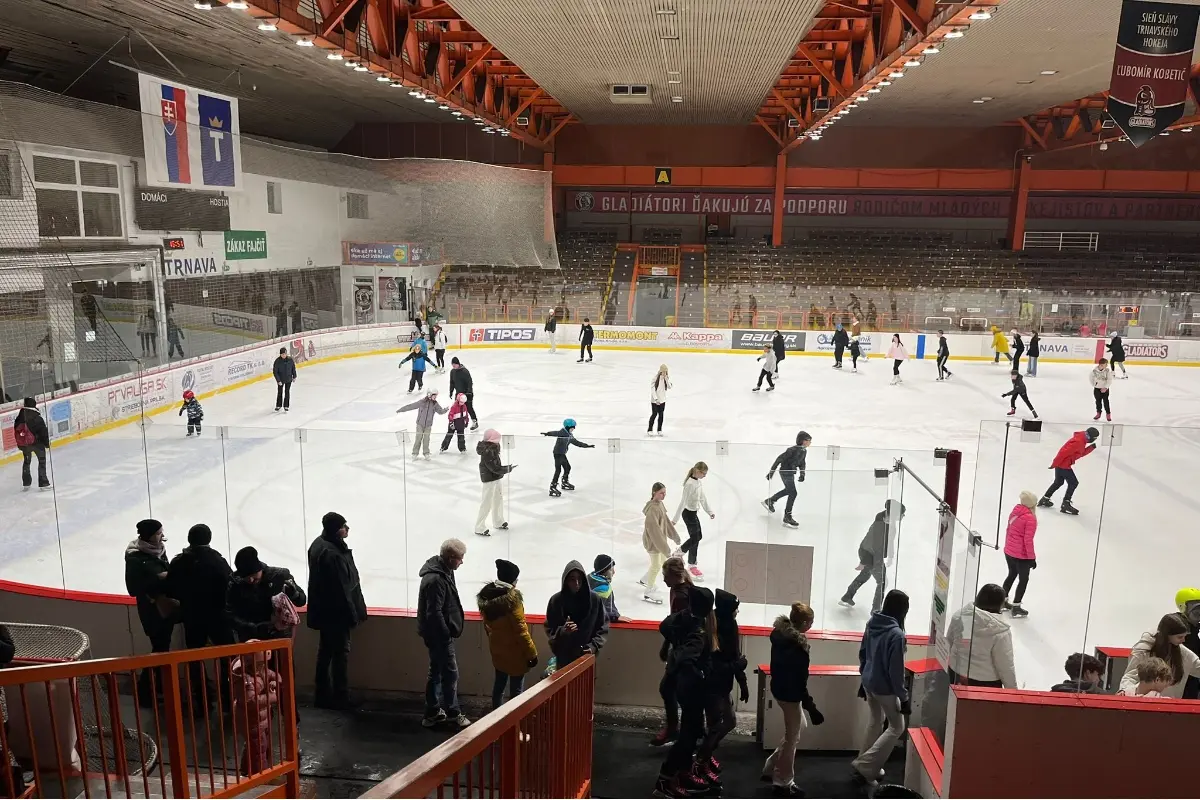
[899,355]
[440,342]
[658,400]
[770,364]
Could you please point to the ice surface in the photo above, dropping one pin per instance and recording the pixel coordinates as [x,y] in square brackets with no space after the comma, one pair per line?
[262,483]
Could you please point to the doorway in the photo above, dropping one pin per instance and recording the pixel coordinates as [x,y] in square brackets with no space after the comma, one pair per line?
[655,301]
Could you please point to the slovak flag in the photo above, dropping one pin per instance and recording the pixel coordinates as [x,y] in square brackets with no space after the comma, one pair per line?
[192,137]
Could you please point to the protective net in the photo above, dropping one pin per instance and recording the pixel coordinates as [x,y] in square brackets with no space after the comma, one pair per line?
[102,274]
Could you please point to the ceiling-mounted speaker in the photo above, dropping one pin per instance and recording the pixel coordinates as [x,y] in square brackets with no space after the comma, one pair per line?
[821,105]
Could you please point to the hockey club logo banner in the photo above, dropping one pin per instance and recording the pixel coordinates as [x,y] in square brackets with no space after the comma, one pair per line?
[485,335]
[1151,67]
[793,341]
[192,137]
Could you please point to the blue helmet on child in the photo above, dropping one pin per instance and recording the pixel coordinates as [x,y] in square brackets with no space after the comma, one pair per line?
[568,423]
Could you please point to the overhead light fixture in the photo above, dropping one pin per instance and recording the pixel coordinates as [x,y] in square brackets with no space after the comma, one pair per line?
[979,102]
[874,90]
[981,14]
[443,107]
[415,93]
[932,50]
[985,98]
[303,41]
[1186,130]
[489,129]
[429,99]
[895,74]
[957,33]
[816,137]
[351,64]
[885,83]
[843,112]
[665,12]
[1049,72]
[202,5]
[237,5]
[397,85]
[1024,83]
[912,62]
[669,38]
[478,121]
[503,132]
[361,68]
[334,55]
[676,99]
[1165,133]
[384,79]
[456,113]
[674,81]
[862,98]
[267,25]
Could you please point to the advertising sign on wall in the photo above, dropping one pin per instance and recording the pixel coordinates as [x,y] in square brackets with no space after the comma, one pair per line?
[375,252]
[823,342]
[793,341]
[393,293]
[501,333]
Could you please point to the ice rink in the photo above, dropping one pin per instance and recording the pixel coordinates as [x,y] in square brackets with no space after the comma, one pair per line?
[265,479]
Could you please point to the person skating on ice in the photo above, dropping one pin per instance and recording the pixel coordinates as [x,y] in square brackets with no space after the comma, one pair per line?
[552,331]
[659,540]
[1018,390]
[855,353]
[195,414]
[790,463]
[943,355]
[768,369]
[491,471]
[457,418]
[284,372]
[999,344]
[586,335]
[419,361]
[841,340]
[461,383]
[1032,355]
[856,333]
[1101,379]
[1018,550]
[899,354]
[1078,446]
[564,438]
[689,505]
[658,399]
[427,407]
[1018,349]
[440,342]
[780,348]
[875,553]
[1116,349]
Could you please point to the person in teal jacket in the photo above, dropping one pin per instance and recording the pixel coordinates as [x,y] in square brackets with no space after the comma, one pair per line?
[420,359]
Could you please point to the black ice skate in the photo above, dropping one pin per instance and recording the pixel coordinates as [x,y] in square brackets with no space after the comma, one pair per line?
[503,526]
[475,425]
[846,602]
[570,487]
[580,361]
[1067,508]
[770,388]
[589,359]
[768,505]
[788,522]
[554,492]
[1045,502]
[484,533]
[1019,612]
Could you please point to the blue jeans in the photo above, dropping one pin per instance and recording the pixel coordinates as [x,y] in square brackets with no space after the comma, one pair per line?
[441,687]
[1032,370]
[516,685]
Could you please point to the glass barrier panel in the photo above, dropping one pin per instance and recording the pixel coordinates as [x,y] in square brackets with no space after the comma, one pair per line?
[184,474]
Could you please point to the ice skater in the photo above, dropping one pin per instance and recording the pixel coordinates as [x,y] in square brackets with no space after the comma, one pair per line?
[1018,347]
[490,473]
[175,338]
[658,399]
[195,414]
[999,344]
[899,355]
[855,353]
[768,369]
[875,553]
[440,342]
[420,360]
[284,372]
[780,348]
[552,331]
[1018,390]
[461,383]
[1116,350]
[586,335]
[790,464]
[659,539]
[1078,446]
[458,417]
[1101,379]
[564,438]
[1032,354]
[427,407]
[1018,551]
[692,501]
[856,333]
[841,340]
[943,355]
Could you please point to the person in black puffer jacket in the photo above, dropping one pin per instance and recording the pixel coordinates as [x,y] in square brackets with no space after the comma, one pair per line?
[335,608]
[691,635]
[33,439]
[461,383]
[248,599]
[1032,354]
[197,578]
[728,665]
[790,463]
[439,623]
[789,687]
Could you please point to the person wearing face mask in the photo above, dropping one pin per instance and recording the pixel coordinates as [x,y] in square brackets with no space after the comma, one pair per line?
[1165,643]
[1188,603]
[790,464]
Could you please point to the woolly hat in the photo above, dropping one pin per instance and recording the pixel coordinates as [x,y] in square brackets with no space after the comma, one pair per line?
[1092,434]
[700,601]
[602,563]
[507,571]
[246,562]
[332,522]
[148,527]
[199,534]
[491,435]
[30,402]
[455,360]
[1029,500]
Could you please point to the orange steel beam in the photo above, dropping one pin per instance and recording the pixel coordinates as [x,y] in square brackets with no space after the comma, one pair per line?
[524,105]
[1186,122]
[835,10]
[788,106]
[910,14]
[441,11]
[826,73]
[339,13]
[768,129]
[1033,134]
[558,126]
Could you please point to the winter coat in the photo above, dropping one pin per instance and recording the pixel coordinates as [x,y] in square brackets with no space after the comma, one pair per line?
[679,597]
[789,664]
[1018,537]
[1035,349]
[728,662]
[563,439]
[1018,346]
[999,340]
[335,598]
[790,462]
[584,609]
[255,693]
[689,656]
[770,362]
[32,419]
[658,389]
[249,607]
[897,352]
[779,347]
[692,499]
[197,578]
[1141,651]
[194,410]
[981,646]
[841,339]
[174,332]
[880,538]
[586,334]
[490,468]
[1076,448]
[1018,387]
[602,588]
[943,348]
[658,532]
[1117,349]
[551,325]
[855,349]
[145,324]
[1101,377]
[440,340]
[881,657]
[503,611]
[460,382]
[439,609]
[426,407]
[284,369]
[142,572]
[419,360]
[459,416]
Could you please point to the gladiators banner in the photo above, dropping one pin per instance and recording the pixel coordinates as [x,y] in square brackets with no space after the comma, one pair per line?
[1151,67]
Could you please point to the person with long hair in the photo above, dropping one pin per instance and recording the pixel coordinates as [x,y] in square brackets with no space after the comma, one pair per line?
[658,399]
[899,355]
[981,645]
[659,538]
[789,687]
[690,503]
[1165,643]
[679,585]
[728,665]
[881,665]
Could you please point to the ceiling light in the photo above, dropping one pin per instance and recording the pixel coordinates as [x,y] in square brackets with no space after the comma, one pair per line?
[981,14]
[456,113]
[1024,83]
[815,136]
[430,99]
[488,129]
[932,50]
[895,74]
[979,102]
[478,121]
[669,38]
[384,79]
[334,56]
[665,12]
[1165,133]
[443,107]
[912,62]
[885,83]
[361,68]
[957,33]
[267,25]
[674,80]
[1049,72]
[862,98]
[237,5]
[503,132]
[843,112]
[676,99]
[397,85]
[303,41]
[351,64]
[202,5]
[874,90]
[415,93]
[1186,130]
[985,98]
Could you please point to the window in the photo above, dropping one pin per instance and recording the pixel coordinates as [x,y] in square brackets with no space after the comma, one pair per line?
[356,206]
[274,197]
[10,176]
[76,198]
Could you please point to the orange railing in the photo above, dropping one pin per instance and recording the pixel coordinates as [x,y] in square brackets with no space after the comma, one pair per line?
[211,722]
[537,745]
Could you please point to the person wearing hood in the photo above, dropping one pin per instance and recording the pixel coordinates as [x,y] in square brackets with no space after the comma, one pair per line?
[439,622]
[769,367]
[789,687]
[790,463]
[457,425]
[563,439]
[427,407]
[198,578]
[943,355]
[146,572]
[658,399]
[1165,643]
[1101,379]
[779,347]
[875,552]
[1018,390]
[841,340]
[981,647]
[999,344]
[1116,350]
[1018,349]
[335,608]
[33,439]
[881,665]
[419,358]
[1079,445]
[1188,603]
[659,539]
[284,372]
[575,621]
[490,473]
[855,353]
[551,329]
[513,650]
[252,597]
[440,342]
[689,636]
[461,383]
[728,666]
[1033,353]
[1018,550]
[1084,674]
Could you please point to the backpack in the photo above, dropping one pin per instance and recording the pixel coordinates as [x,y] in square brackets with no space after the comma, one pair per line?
[23,435]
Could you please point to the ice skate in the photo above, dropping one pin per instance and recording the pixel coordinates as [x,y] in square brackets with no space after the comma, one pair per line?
[1018,612]
[664,738]
[570,487]
[580,361]
[895,379]
[427,456]
[788,522]
[475,425]
[484,533]
[189,435]
[278,409]
[1097,415]
[941,379]
[554,492]
[1011,412]
[589,360]
[287,409]
[770,388]
[1067,508]
[45,488]
[768,505]
[1045,502]
[695,572]
[759,389]
[854,369]
[846,601]
[652,599]
[25,488]
[503,526]
[1108,417]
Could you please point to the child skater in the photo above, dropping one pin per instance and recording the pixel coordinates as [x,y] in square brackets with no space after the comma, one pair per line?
[943,356]
[1018,390]
[898,355]
[768,369]
[659,539]
[419,360]
[1102,378]
[564,438]
[440,342]
[790,464]
[855,352]
[458,424]
[195,413]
